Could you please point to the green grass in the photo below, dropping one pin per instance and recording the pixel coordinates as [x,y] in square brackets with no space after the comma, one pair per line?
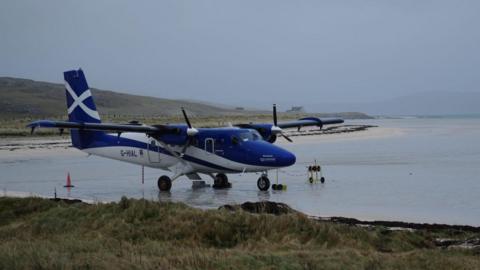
[138,234]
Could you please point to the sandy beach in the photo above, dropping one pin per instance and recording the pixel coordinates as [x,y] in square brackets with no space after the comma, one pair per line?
[369,133]
[19,148]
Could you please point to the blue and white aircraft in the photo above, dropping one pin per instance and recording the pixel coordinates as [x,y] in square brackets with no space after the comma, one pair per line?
[179,148]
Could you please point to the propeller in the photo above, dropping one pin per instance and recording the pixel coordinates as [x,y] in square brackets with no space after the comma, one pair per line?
[191,131]
[275,128]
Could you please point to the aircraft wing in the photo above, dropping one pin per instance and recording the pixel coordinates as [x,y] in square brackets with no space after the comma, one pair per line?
[118,128]
[269,132]
[310,121]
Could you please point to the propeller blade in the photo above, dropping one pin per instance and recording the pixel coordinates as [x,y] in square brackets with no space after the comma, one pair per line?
[187,144]
[275,114]
[286,137]
[184,149]
[186,118]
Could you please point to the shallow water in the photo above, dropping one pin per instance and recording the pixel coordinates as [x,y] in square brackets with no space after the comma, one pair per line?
[428,172]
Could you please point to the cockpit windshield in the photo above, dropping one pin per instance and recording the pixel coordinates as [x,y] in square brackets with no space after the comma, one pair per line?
[251,135]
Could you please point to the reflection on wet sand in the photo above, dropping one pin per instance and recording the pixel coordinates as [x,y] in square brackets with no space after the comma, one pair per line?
[369,175]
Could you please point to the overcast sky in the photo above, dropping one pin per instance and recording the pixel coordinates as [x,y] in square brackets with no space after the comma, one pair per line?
[248,52]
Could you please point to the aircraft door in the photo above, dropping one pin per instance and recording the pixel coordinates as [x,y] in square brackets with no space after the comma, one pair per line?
[153,152]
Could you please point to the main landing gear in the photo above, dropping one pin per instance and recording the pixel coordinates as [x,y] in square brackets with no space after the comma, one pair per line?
[221,181]
[164,183]
[263,183]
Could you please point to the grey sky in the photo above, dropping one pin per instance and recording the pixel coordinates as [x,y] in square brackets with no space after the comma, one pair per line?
[248,52]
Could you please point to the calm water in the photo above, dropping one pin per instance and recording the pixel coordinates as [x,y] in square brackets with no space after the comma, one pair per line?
[429,173]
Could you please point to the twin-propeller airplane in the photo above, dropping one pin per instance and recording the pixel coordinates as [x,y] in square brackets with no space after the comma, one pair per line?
[179,148]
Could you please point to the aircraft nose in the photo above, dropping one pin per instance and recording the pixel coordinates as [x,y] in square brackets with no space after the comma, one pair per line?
[286,158]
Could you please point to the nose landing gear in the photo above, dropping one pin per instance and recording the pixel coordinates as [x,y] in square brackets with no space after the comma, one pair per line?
[164,183]
[263,183]
[221,181]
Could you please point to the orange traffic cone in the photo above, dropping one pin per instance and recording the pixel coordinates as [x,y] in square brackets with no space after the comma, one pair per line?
[69,182]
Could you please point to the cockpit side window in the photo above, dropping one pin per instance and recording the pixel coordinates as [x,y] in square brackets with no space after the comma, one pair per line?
[235,140]
[256,135]
[251,135]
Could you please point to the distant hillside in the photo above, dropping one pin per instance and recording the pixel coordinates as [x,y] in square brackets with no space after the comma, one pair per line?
[22,97]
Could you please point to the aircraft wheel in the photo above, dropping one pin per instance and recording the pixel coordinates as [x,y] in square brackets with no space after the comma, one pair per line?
[263,183]
[322,180]
[221,181]
[164,183]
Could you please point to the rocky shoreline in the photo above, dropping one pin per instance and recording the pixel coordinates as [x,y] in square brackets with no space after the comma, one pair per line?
[275,208]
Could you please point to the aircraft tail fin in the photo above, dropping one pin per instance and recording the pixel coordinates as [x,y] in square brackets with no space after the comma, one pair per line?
[81,108]
[80,104]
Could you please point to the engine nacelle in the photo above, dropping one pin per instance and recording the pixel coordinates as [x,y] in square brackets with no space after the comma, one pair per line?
[176,136]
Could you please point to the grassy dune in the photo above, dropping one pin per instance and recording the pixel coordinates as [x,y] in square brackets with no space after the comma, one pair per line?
[139,234]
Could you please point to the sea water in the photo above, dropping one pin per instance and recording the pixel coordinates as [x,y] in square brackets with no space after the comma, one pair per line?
[418,170]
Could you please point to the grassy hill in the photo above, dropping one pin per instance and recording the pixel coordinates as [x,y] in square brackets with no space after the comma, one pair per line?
[20,98]
[139,234]
[22,101]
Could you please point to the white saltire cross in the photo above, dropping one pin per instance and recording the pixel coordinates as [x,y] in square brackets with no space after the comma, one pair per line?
[78,101]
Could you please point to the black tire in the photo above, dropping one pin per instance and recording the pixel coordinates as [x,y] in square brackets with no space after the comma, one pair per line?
[221,181]
[322,180]
[279,187]
[310,179]
[164,183]
[274,186]
[263,183]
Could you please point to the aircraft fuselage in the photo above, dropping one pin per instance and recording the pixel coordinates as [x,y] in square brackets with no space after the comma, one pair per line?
[226,150]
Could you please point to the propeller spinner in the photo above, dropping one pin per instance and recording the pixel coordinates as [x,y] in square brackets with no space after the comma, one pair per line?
[275,128]
[191,131]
